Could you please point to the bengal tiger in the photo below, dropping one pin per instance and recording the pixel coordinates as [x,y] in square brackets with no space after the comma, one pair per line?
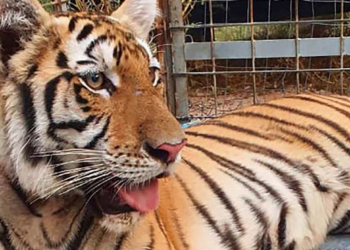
[90,155]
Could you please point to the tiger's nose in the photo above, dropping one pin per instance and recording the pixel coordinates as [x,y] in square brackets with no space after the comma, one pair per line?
[166,152]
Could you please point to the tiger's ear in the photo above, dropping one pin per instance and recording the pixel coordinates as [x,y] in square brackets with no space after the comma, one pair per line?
[138,16]
[19,19]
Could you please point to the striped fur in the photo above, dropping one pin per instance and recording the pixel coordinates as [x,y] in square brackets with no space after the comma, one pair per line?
[79,102]
[273,176]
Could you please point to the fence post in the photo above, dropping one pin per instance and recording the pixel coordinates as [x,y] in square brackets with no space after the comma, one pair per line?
[179,63]
[162,40]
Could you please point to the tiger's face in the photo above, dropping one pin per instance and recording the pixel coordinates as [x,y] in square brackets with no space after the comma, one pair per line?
[82,112]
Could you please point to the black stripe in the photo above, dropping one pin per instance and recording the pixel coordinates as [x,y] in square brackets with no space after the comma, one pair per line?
[85,32]
[217,190]
[58,167]
[57,43]
[345,230]
[32,70]
[291,182]
[62,60]
[94,43]
[162,229]
[245,184]
[50,94]
[236,128]
[78,97]
[79,236]
[97,137]
[344,98]
[5,237]
[237,168]
[321,119]
[86,109]
[246,114]
[179,230]
[264,243]
[312,144]
[24,198]
[81,100]
[28,110]
[339,202]
[79,126]
[72,24]
[150,245]
[301,168]
[119,242]
[49,242]
[19,237]
[282,227]
[67,75]
[228,239]
[86,62]
[29,115]
[308,99]
[333,139]
[291,246]
[218,158]
[334,100]
[262,219]
[341,224]
[117,53]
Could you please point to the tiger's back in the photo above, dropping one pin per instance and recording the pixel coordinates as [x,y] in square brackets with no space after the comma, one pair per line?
[272,176]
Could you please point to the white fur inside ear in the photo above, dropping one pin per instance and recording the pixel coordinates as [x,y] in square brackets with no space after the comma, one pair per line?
[137,15]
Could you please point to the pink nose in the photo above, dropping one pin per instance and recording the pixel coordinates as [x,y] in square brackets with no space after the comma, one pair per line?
[173,150]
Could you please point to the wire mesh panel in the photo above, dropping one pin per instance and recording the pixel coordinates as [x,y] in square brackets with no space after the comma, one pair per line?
[241,52]
[56,6]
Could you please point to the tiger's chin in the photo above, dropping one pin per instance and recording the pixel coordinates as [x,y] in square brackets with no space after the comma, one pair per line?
[119,208]
[119,223]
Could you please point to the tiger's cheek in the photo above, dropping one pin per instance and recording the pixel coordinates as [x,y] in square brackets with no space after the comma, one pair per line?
[88,102]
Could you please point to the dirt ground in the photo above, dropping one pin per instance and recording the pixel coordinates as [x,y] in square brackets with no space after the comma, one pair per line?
[236,91]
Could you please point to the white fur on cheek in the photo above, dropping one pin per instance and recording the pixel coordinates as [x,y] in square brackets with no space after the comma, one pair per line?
[146,47]
[172,166]
[113,77]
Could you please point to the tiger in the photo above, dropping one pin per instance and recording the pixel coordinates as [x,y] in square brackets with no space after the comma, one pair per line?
[92,159]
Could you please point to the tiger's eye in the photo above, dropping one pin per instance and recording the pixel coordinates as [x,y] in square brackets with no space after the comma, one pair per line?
[95,80]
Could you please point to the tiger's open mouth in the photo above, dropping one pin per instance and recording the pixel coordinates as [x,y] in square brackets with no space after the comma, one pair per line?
[114,200]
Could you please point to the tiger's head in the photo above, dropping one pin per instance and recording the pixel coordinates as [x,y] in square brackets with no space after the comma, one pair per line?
[80,109]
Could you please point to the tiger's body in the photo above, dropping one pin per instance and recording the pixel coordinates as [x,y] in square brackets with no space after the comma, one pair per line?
[277,179]
[86,140]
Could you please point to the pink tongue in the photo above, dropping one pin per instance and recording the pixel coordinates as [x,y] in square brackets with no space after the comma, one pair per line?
[143,199]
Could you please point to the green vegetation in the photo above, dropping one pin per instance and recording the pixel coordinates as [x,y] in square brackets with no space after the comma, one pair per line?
[48,7]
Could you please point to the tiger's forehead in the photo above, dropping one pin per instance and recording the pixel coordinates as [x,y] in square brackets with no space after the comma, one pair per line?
[99,43]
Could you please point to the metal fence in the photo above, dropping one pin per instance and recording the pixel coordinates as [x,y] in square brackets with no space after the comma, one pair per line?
[56,6]
[223,57]
[248,62]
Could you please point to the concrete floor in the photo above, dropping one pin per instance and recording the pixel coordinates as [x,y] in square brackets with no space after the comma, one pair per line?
[341,242]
